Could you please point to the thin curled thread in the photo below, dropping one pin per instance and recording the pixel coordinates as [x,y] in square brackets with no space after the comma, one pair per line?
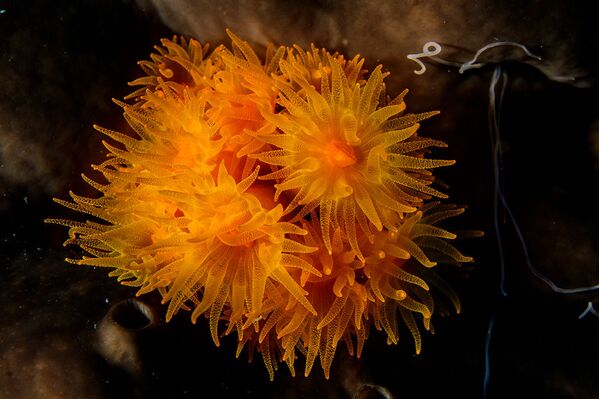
[430,49]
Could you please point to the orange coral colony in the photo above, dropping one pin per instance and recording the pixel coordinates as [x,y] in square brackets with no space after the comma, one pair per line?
[287,199]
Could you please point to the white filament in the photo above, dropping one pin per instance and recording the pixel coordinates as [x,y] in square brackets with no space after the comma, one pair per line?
[430,49]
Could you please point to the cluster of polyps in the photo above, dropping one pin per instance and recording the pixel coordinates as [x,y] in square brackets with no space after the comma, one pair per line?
[286,198]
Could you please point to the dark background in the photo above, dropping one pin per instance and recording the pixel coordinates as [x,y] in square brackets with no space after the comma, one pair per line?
[60,64]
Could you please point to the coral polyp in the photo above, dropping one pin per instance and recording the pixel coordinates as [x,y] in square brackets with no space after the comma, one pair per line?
[284,198]
[341,152]
[394,287]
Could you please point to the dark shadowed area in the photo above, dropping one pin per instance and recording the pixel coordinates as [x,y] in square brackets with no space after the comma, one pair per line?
[61,62]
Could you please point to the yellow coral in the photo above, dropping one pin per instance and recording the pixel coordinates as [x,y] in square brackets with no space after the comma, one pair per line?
[276,257]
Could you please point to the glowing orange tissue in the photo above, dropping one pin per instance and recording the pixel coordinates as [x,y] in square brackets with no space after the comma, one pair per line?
[284,197]
[341,154]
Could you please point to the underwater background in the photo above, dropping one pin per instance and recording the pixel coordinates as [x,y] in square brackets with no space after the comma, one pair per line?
[72,332]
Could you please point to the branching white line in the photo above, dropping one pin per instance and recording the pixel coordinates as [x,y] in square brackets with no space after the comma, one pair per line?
[471,64]
[590,309]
